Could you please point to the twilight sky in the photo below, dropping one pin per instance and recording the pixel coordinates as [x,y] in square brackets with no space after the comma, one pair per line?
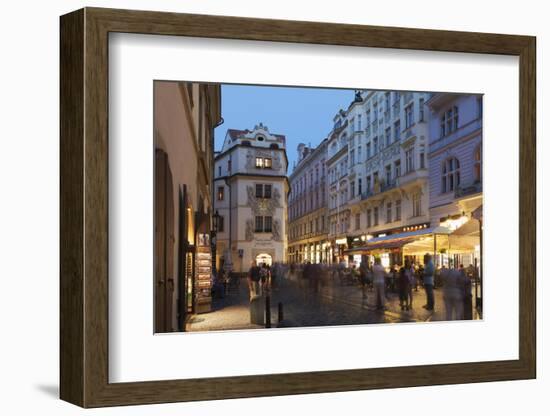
[303,115]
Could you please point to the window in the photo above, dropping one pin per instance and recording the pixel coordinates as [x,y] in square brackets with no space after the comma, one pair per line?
[387,101]
[263,162]
[221,191]
[396,98]
[421,109]
[375,145]
[388,174]
[359,122]
[397,130]
[359,186]
[375,216]
[375,111]
[409,116]
[449,121]
[221,224]
[368,183]
[369,223]
[259,224]
[477,165]
[352,157]
[479,107]
[450,178]
[388,136]
[368,150]
[417,205]
[422,160]
[352,189]
[219,171]
[397,168]
[229,166]
[368,117]
[263,191]
[388,212]
[409,160]
[398,210]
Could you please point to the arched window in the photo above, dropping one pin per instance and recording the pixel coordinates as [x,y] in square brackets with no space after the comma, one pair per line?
[477,164]
[450,175]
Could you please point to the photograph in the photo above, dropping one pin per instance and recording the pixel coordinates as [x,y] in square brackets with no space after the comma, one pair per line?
[290,206]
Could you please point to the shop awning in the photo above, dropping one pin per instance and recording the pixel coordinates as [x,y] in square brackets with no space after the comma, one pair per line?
[399,240]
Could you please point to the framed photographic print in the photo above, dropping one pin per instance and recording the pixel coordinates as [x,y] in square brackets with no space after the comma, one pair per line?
[320,194]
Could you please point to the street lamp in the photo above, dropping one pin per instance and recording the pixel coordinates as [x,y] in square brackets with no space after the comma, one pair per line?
[215,221]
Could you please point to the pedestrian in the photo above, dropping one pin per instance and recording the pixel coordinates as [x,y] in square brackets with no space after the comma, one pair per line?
[410,273]
[453,293]
[363,271]
[468,306]
[254,280]
[428,280]
[378,273]
[403,284]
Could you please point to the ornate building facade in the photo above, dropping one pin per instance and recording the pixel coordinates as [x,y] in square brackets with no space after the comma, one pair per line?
[455,179]
[307,206]
[251,189]
[378,169]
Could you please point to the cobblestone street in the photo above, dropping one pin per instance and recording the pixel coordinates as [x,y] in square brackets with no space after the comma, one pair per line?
[331,304]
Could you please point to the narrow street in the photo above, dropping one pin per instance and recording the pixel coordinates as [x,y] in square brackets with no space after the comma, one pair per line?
[303,306]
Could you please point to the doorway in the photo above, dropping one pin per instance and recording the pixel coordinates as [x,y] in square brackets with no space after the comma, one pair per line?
[164,243]
[264,258]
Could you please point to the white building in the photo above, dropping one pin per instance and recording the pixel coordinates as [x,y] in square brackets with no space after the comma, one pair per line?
[307,206]
[378,169]
[455,166]
[251,188]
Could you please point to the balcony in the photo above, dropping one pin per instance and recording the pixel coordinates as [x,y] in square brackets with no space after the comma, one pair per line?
[465,190]
[412,177]
[379,189]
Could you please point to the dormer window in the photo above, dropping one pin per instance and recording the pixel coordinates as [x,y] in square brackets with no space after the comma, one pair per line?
[260,138]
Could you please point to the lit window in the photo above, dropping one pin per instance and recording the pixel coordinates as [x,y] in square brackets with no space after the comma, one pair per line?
[267,163]
[259,162]
[221,191]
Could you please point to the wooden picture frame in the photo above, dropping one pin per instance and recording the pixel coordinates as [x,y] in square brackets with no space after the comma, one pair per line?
[84,207]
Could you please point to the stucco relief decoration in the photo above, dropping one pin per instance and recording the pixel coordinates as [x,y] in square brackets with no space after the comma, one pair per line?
[276,231]
[249,230]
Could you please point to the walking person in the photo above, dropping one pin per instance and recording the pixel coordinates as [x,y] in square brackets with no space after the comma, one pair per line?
[410,273]
[363,271]
[453,293]
[468,306]
[253,280]
[379,284]
[403,284]
[428,280]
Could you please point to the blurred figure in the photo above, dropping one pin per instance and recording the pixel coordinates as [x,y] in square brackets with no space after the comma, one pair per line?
[428,280]
[453,293]
[254,280]
[409,272]
[403,284]
[379,284]
[468,307]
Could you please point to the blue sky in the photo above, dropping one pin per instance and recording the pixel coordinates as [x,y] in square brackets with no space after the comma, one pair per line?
[303,115]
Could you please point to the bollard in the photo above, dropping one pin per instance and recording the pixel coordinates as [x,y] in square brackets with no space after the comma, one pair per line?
[267,312]
[281,316]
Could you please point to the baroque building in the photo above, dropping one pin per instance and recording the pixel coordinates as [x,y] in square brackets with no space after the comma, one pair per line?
[307,206]
[251,189]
